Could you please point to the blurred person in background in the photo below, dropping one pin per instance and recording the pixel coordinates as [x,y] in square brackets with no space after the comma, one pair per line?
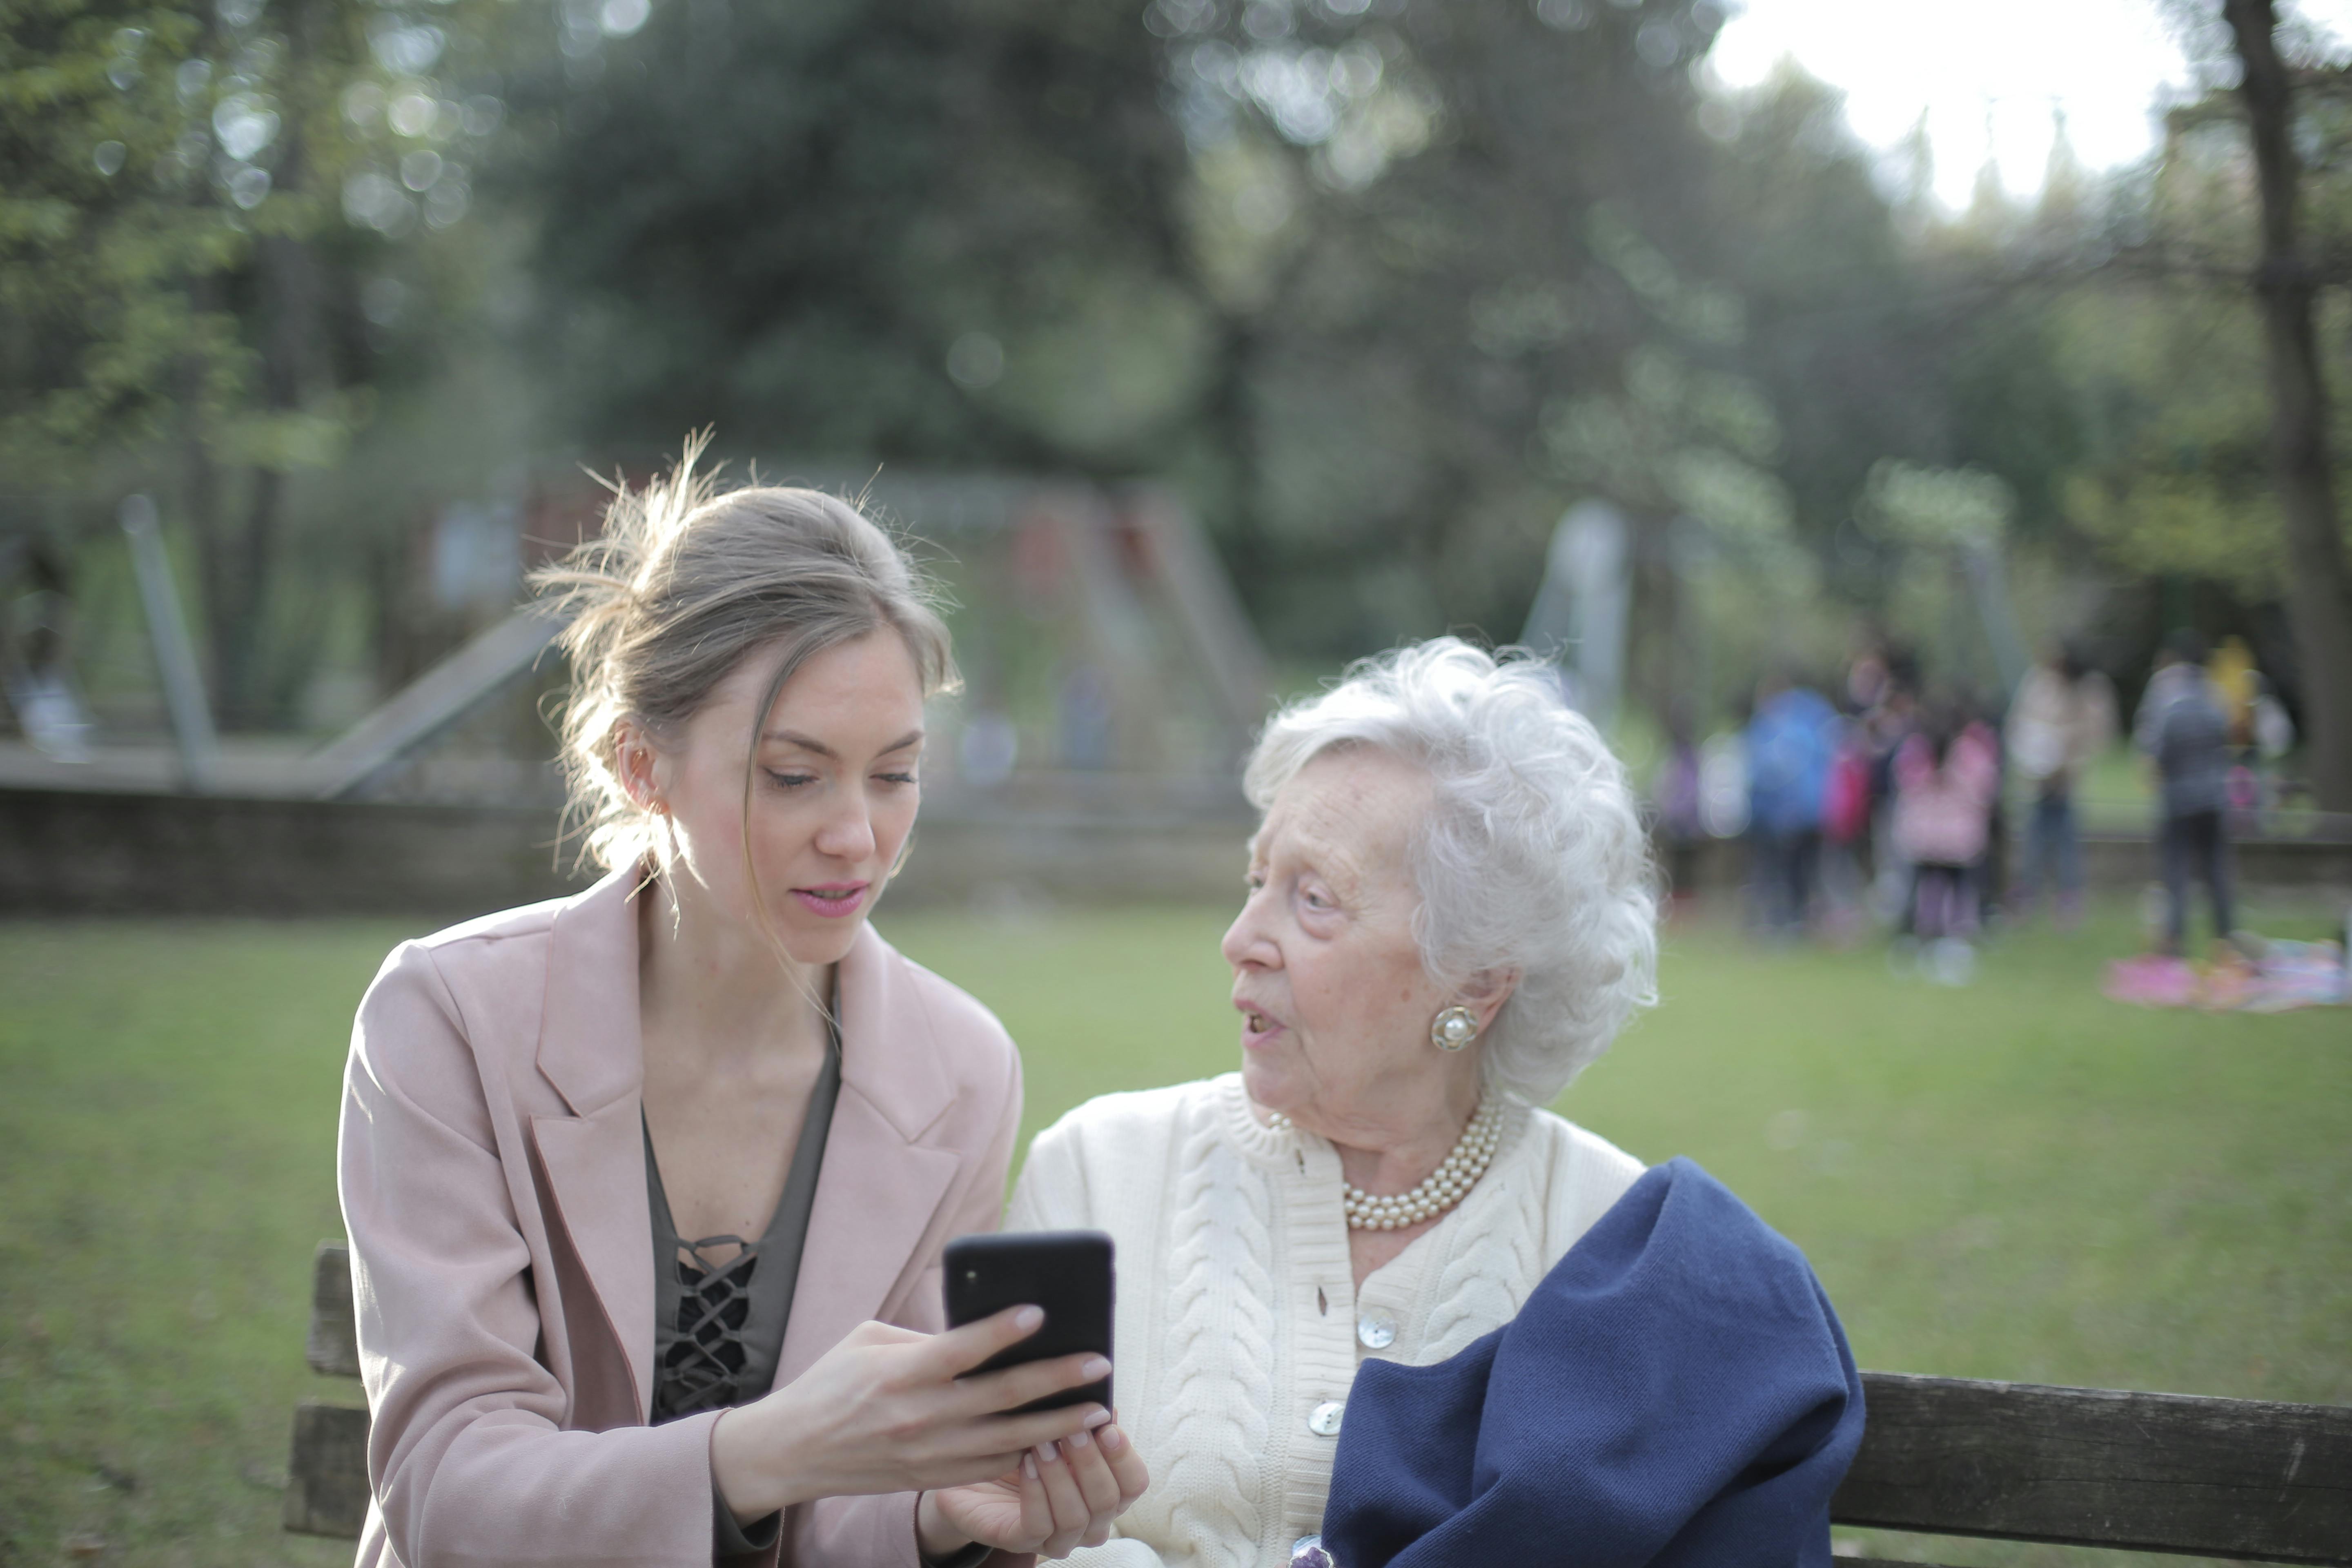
[1890,719]
[1992,867]
[1946,778]
[648,1187]
[1868,678]
[1676,798]
[2061,720]
[2272,731]
[37,676]
[2236,684]
[1450,911]
[1845,829]
[2239,685]
[1723,775]
[1791,742]
[2183,728]
[2261,730]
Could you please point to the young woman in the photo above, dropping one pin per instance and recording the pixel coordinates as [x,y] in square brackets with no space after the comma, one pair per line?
[646,1188]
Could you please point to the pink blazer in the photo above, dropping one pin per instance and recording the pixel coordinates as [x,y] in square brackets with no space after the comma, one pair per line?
[493,1184]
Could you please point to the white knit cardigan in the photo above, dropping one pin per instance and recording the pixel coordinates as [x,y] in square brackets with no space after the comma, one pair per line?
[1239,1328]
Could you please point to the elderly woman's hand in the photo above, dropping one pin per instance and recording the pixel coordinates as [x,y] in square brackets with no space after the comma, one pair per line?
[1064,1496]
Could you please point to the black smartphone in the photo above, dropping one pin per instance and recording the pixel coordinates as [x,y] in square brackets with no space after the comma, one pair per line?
[1066,1272]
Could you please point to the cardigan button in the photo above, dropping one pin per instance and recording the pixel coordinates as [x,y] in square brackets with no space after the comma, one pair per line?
[1325,1422]
[1376,1333]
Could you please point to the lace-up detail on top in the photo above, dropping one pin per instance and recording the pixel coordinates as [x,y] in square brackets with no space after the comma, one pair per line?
[719,1326]
[702,1353]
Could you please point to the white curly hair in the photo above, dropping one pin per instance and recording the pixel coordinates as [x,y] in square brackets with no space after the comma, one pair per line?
[1533,856]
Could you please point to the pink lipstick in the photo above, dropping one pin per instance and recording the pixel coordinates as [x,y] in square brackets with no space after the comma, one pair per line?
[833,900]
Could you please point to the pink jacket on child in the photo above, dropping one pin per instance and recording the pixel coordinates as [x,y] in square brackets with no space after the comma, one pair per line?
[493,1178]
[1943,816]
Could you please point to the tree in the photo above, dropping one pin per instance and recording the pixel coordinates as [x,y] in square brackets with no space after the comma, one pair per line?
[2318,587]
[936,231]
[2217,458]
[192,198]
[1464,262]
[1363,294]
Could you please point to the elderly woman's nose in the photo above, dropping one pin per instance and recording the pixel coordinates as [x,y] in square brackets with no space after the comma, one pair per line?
[1246,940]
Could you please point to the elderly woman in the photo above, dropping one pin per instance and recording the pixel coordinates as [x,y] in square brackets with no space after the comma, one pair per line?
[1450,911]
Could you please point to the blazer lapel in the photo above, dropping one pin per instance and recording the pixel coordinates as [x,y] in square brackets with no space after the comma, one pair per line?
[877,1195]
[592,1163]
[592,1174]
[880,1188]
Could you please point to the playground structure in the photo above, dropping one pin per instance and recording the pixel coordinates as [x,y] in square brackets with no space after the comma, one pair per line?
[1096,628]
[1112,684]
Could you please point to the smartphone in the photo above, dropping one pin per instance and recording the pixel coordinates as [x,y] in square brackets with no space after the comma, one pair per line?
[1066,1272]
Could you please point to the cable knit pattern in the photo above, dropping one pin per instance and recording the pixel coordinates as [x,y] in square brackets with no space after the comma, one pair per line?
[1237,1310]
[1220,1345]
[1495,1256]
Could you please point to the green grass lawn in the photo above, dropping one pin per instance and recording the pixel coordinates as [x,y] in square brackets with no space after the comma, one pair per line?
[2015,1180]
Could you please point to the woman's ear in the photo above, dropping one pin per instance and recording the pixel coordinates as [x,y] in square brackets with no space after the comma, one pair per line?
[1486,992]
[636,763]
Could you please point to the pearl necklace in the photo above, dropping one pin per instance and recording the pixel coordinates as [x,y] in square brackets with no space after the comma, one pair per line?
[1445,1186]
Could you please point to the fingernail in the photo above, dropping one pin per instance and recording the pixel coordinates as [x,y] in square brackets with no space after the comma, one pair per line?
[1113,1439]
[1029,1466]
[1044,1453]
[1096,1368]
[1028,1319]
[1077,1439]
[1097,1416]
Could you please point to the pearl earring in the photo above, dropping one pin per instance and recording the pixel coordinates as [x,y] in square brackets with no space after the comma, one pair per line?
[1454,1028]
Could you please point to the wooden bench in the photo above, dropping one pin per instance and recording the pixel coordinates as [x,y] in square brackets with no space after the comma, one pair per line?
[2238,1478]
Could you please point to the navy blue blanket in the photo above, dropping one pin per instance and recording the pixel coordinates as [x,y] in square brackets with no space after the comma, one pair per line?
[1676,1393]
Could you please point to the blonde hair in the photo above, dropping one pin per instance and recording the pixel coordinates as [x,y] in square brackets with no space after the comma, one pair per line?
[685,583]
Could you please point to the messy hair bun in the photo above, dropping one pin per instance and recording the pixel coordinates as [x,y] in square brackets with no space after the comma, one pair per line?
[686,582]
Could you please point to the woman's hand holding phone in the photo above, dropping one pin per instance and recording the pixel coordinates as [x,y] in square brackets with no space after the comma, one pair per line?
[889,1410]
[1064,1496]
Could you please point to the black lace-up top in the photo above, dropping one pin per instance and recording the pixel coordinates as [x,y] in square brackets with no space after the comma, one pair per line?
[719,1326]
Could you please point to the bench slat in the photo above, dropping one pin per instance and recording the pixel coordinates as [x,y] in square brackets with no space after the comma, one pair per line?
[2089,1467]
[327,1479]
[334,1345]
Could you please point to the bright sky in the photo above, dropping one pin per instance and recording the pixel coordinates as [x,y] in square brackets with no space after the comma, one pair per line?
[1990,75]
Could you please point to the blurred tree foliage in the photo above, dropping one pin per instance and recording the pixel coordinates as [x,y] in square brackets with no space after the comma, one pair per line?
[2149,353]
[1383,286]
[190,196]
[938,230]
[1463,260]
[2176,474]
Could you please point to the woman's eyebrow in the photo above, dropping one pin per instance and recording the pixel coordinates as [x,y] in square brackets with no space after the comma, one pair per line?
[811,744]
[1321,857]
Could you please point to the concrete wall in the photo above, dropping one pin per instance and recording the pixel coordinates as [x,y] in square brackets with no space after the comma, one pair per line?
[68,852]
[78,853]
[84,853]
